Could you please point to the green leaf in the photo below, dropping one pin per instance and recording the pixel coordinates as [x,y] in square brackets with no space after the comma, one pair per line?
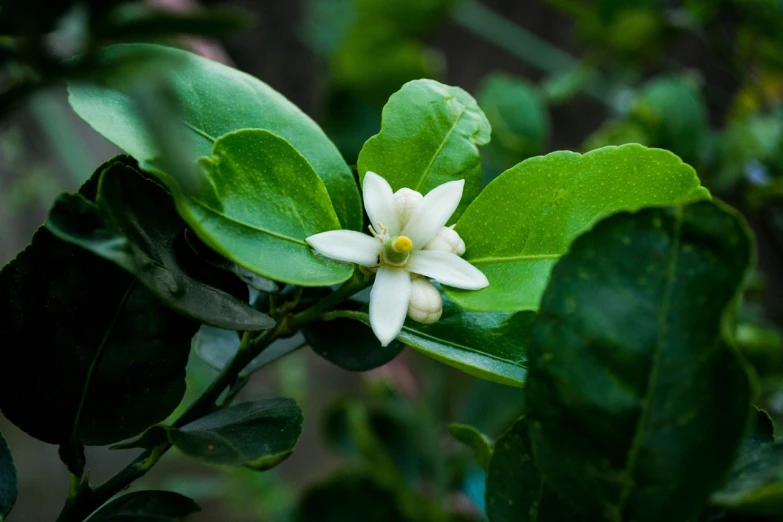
[475,440]
[515,490]
[643,302]
[349,344]
[518,115]
[762,433]
[259,434]
[261,202]
[755,485]
[136,226]
[147,506]
[107,358]
[490,346]
[214,100]
[429,135]
[8,486]
[351,497]
[524,220]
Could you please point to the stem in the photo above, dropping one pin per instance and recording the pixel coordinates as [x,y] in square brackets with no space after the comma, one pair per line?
[357,283]
[81,506]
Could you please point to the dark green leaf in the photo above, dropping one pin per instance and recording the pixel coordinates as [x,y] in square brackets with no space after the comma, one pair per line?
[429,135]
[490,346]
[136,226]
[349,344]
[636,401]
[762,432]
[755,485]
[524,220]
[261,201]
[475,440]
[107,358]
[8,487]
[214,100]
[72,455]
[259,434]
[351,498]
[515,490]
[147,506]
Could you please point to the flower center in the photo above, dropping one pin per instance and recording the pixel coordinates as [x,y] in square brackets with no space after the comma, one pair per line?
[397,250]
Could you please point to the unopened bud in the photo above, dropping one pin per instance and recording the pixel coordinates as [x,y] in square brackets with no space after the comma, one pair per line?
[447,240]
[406,201]
[426,304]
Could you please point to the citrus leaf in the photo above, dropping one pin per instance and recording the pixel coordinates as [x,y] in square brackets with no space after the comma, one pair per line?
[8,485]
[430,134]
[524,220]
[214,100]
[643,302]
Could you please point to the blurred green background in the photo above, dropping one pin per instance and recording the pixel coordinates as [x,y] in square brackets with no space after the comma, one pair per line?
[703,78]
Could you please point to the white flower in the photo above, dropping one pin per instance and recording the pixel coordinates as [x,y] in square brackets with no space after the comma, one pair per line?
[407,239]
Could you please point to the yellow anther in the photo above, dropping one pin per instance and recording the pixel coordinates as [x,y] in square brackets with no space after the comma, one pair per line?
[402,244]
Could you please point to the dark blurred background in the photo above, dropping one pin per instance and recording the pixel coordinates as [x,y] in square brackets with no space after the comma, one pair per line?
[701,78]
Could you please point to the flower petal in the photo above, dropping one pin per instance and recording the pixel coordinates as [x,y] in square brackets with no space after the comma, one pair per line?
[447,268]
[379,203]
[433,213]
[389,299]
[347,245]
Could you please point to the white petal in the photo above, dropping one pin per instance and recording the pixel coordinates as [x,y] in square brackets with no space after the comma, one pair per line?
[389,299]
[433,213]
[447,268]
[347,245]
[379,203]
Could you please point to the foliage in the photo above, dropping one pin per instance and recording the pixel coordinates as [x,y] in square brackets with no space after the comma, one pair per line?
[608,372]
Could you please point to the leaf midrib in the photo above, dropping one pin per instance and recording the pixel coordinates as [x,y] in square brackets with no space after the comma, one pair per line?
[248,225]
[440,148]
[639,432]
[97,358]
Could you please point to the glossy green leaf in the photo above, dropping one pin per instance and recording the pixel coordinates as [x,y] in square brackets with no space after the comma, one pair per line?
[648,422]
[430,134]
[351,345]
[755,485]
[490,346]
[136,226]
[518,115]
[515,490]
[475,440]
[259,434]
[351,497]
[262,201]
[108,358]
[523,221]
[214,100]
[8,486]
[147,506]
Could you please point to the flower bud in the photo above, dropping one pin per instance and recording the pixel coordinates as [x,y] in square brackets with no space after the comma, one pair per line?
[447,240]
[406,201]
[426,304]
